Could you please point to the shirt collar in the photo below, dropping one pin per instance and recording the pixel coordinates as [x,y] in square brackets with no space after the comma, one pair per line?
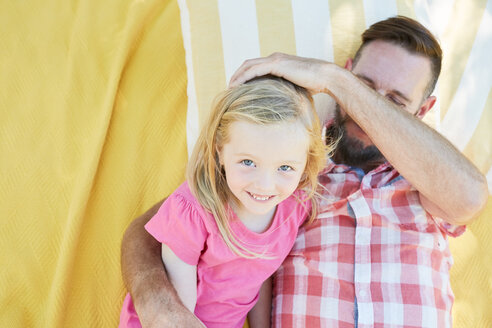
[331,167]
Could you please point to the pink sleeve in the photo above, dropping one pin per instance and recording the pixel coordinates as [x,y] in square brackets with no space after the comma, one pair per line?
[180,226]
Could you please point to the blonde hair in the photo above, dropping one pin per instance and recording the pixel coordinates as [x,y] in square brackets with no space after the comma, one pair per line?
[264,100]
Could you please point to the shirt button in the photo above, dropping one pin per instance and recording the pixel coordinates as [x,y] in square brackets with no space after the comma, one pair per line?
[362,293]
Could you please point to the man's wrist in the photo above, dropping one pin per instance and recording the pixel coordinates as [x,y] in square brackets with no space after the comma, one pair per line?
[334,78]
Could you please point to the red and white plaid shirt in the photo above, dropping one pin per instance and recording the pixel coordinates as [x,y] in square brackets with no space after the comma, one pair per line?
[373,253]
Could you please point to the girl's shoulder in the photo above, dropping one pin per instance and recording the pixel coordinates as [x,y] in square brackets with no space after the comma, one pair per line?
[184,204]
[181,224]
[299,203]
[184,195]
[300,198]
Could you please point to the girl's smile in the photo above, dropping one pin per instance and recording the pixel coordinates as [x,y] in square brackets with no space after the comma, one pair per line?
[259,197]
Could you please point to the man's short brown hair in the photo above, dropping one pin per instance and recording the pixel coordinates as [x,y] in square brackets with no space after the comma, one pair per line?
[410,35]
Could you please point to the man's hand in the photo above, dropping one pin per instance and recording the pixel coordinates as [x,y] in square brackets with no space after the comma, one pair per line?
[304,72]
[155,299]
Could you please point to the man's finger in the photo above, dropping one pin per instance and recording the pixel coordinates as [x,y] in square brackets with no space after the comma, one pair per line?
[249,74]
[250,69]
[240,71]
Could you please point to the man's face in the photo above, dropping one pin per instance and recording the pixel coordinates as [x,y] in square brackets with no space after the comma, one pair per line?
[394,73]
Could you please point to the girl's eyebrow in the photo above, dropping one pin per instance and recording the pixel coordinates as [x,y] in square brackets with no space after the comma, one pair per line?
[291,161]
[396,92]
[243,155]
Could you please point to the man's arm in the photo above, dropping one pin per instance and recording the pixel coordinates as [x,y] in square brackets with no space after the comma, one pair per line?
[155,299]
[450,185]
[260,315]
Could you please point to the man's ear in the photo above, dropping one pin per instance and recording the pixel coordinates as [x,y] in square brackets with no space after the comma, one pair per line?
[348,64]
[426,106]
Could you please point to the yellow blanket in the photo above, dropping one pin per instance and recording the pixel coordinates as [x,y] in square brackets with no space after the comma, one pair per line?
[95,125]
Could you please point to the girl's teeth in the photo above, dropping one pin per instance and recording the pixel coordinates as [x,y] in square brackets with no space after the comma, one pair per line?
[259,197]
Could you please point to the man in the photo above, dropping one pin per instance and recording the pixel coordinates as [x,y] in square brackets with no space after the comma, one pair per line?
[377,255]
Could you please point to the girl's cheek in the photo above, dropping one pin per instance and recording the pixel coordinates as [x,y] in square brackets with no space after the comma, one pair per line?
[292,181]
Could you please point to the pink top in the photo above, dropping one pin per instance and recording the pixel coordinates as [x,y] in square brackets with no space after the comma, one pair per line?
[227,284]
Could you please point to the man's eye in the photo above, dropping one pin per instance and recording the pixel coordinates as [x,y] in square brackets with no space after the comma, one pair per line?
[248,162]
[395,101]
[369,84]
[285,168]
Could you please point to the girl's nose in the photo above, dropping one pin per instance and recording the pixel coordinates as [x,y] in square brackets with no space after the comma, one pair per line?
[265,181]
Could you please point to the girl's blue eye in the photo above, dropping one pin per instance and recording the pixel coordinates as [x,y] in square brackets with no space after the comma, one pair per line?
[247,162]
[285,168]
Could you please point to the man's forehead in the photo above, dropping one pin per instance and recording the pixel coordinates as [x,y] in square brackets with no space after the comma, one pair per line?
[390,66]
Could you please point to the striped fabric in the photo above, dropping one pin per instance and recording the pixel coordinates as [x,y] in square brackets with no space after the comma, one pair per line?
[220,34]
[95,125]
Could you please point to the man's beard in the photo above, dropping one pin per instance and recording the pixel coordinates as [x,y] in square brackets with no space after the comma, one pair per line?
[349,150]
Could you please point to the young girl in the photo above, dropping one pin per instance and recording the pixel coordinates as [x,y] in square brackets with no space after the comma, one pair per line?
[249,186]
